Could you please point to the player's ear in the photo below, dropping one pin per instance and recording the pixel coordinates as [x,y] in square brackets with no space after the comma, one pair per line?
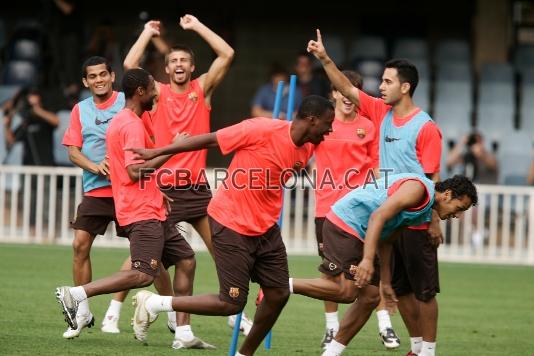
[112,74]
[85,84]
[405,88]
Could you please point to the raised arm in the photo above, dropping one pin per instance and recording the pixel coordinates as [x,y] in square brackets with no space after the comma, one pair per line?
[182,143]
[133,57]
[409,195]
[338,79]
[221,64]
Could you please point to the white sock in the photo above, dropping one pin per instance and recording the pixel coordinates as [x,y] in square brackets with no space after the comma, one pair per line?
[172,317]
[184,333]
[332,321]
[158,303]
[238,354]
[384,321]
[78,293]
[428,349]
[416,344]
[83,307]
[291,285]
[334,348]
[114,308]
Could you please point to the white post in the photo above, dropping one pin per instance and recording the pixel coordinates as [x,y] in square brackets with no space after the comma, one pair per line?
[65,208]
[39,211]
[530,236]
[505,228]
[52,197]
[26,207]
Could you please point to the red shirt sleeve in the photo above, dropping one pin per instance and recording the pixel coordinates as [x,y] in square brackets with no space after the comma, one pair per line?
[133,136]
[373,108]
[73,134]
[239,136]
[428,148]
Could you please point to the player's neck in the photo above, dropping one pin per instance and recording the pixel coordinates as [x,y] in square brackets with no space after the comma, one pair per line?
[343,117]
[100,99]
[180,88]
[404,107]
[297,132]
[133,107]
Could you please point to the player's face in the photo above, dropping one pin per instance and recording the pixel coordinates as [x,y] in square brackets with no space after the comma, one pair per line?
[390,88]
[179,67]
[450,207]
[99,80]
[320,127]
[147,98]
[343,104]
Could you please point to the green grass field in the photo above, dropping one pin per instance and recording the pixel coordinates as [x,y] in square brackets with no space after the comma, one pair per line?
[484,310]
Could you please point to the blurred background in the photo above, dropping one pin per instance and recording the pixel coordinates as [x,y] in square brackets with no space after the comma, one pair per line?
[475,61]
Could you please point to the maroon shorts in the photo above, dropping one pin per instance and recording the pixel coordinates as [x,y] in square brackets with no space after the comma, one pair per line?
[342,253]
[94,215]
[415,265]
[154,243]
[240,258]
[190,202]
[319,222]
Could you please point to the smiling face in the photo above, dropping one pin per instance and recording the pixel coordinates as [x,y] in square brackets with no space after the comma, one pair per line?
[319,127]
[344,105]
[179,67]
[99,80]
[448,207]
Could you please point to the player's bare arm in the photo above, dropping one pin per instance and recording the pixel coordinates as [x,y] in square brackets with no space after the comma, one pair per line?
[338,79]
[182,143]
[79,159]
[225,54]
[409,195]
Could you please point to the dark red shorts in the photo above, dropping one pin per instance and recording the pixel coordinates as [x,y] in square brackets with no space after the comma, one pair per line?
[190,202]
[415,265]
[94,215]
[342,253]
[319,222]
[154,243]
[240,259]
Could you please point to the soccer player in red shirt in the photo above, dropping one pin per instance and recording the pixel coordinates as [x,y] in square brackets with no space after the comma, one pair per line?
[184,105]
[410,142]
[243,215]
[139,207]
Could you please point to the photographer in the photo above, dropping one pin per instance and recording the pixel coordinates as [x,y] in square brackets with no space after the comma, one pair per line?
[35,130]
[471,158]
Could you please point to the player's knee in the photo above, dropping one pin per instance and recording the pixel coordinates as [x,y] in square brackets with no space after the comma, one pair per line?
[142,279]
[347,295]
[370,300]
[188,265]
[278,295]
[425,296]
[81,247]
[231,308]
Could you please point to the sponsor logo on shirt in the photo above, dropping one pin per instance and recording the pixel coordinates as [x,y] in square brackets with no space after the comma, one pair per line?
[361,133]
[391,139]
[233,292]
[102,122]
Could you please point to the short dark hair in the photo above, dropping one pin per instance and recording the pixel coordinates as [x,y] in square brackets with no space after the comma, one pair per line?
[459,186]
[354,77]
[314,105]
[406,71]
[94,61]
[180,48]
[133,79]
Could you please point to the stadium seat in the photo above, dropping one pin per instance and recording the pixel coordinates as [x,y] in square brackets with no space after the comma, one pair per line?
[370,85]
[335,47]
[422,94]
[20,73]
[453,51]
[497,72]
[514,156]
[526,109]
[524,58]
[495,122]
[370,68]
[371,47]
[7,92]
[25,50]
[453,121]
[61,155]
[414,49]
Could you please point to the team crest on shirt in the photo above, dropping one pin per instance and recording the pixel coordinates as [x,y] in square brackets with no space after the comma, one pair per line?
[297,166]
[153,264]
[361,133]
[193,96]
[234,292]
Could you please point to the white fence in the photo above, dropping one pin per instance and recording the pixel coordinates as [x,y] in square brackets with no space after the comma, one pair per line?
[37,203]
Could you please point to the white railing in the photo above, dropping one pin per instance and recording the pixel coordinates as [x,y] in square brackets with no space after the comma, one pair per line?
[37,204]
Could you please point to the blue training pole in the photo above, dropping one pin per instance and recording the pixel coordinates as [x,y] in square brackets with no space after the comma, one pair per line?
[289,116]
[237,325]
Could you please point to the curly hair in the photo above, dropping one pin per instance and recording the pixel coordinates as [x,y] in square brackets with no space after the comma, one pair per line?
[459,186]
